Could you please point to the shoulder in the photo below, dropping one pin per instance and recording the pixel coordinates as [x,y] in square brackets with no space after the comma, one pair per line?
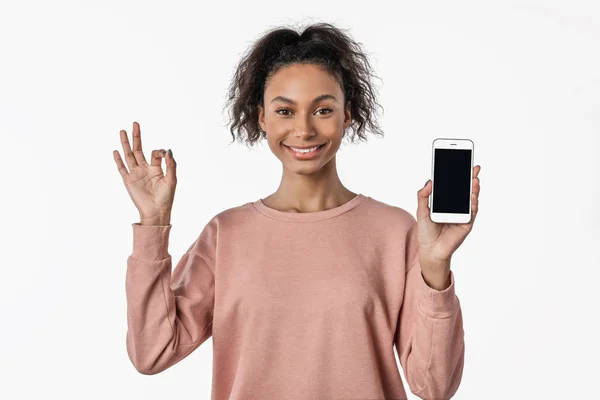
[223,223]
[233,216]
[400,227]
[392,214]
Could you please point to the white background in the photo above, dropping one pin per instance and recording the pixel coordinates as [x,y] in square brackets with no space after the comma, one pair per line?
[520,79]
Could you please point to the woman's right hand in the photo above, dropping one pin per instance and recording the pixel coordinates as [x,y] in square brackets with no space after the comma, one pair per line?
[150,189]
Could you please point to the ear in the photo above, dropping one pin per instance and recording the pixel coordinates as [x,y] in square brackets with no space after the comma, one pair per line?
[347,116]
[261,118]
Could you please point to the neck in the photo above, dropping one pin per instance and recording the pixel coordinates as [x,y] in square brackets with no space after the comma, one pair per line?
[321,190]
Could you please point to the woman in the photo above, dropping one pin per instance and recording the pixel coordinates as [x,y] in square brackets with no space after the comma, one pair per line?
[305,292]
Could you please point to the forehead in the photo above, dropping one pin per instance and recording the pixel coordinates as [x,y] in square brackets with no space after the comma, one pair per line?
[302,83]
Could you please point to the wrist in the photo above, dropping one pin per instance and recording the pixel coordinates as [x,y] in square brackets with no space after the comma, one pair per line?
[437,282]
[436,276]
[162,220]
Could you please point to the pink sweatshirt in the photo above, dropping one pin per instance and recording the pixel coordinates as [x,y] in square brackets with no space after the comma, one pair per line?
[299,305]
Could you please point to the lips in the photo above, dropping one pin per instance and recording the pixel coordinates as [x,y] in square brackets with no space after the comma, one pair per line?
[304,148]
[305,156]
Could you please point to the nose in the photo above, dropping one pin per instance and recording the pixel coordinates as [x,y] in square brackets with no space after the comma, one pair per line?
[303,130]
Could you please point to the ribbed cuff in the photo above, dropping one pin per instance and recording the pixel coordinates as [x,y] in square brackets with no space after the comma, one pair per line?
[438,303]
[150,242]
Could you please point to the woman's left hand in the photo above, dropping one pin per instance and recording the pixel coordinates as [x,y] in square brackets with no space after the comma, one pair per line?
[437,242]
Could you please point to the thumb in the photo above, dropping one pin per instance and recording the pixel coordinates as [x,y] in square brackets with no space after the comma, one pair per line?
[423,201]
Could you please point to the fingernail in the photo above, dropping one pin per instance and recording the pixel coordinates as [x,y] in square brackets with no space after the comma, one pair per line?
[426,183]
[164,151]
[170,153]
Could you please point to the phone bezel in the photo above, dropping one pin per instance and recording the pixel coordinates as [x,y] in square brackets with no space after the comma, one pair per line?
[453,144]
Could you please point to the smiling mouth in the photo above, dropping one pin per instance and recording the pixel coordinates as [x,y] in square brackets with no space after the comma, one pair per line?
[318,146]
[304,154]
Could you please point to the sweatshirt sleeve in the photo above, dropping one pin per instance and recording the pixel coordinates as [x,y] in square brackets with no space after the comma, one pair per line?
[169,313]
[429,334]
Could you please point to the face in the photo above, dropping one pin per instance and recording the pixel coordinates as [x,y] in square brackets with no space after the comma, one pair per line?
[304,107]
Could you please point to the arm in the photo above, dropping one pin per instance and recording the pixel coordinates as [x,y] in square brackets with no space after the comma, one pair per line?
[429,334]
[169,313]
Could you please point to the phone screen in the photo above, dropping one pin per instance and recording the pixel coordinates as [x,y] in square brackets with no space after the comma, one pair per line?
[451,181]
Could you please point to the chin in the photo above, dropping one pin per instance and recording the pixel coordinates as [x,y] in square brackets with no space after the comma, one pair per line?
[306,171]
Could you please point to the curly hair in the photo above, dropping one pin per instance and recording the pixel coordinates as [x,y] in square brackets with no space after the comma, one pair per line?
[320,44]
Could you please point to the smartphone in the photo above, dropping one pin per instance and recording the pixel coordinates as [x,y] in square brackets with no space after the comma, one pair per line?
[452,177]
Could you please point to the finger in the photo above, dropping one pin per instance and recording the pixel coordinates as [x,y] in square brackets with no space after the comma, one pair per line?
[156,157]
[121,167]
[475,183]
[474,207]
[129,157]
[137,145]
[171,167]
[423,201]
[476,186]
[475,195]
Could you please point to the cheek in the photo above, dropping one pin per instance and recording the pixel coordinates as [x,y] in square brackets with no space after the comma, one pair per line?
[276,146]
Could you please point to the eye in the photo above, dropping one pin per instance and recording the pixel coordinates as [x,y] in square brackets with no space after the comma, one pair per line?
[322,109]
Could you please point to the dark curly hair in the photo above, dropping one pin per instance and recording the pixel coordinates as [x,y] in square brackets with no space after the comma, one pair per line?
[321,44]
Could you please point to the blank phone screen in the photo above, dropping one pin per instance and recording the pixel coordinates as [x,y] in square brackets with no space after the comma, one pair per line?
[451,181]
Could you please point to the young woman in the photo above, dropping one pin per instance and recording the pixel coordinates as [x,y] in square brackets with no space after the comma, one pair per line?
[305,292]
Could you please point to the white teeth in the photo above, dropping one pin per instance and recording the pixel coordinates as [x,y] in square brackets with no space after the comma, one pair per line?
[304,150]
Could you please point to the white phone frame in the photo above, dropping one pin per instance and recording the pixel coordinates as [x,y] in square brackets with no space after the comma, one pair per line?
[453,144]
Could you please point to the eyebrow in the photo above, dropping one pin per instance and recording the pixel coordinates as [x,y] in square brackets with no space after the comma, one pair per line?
[316,100]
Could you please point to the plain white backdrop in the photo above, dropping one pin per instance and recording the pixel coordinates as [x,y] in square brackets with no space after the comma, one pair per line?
[520,79]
